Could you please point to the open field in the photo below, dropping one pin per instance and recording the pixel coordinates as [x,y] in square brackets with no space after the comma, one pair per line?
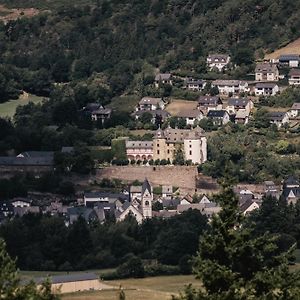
[8,109]
[176,106]
[291,48]
[152,288]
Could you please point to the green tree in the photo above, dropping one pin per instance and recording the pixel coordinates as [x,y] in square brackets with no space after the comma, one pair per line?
[234,265]
[10,287]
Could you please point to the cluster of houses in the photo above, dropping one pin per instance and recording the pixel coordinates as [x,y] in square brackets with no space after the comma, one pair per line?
[138,201]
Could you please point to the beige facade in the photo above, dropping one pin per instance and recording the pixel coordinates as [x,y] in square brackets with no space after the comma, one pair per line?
[76,286]
[192,142]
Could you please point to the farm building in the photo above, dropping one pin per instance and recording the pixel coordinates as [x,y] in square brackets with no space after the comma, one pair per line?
[72,283]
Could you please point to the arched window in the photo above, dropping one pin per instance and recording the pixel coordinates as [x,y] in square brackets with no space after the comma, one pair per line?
[147,203]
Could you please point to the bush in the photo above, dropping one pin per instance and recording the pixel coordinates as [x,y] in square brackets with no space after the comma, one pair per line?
[159,269]
[133,268]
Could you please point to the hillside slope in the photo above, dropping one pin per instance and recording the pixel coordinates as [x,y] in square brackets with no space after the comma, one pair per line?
[118,39]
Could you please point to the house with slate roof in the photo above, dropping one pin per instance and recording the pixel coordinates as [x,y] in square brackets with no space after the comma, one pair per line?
[219,117]
[294,77]
[291,60]
[207,103]
[217,61]
[236,104]
[163,78]
[266,72]
[294,112]
[278,118]
[195,85]
[266,89]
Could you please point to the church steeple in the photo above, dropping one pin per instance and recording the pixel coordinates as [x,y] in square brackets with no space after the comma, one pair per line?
[147,198]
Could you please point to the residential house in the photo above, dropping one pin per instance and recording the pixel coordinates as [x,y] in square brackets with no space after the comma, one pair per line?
[294,112]
[150,103]
[97,112]
[294,77]
[291,190]
[271,189]
[278,118]
[37,165]
[291,60]
[167,191]
[163,78]
[207,103]
[21,202]
[158,115]
[171,203]
[236,104]
[192,142]
[195,85]
[219,117]
[204,200]
[101,114]
[233,87]
[88,214]
[266,72]
[241,117]
[248,206]
[266,89]
[104,197]
[218,61]
[191,116]
[139,150]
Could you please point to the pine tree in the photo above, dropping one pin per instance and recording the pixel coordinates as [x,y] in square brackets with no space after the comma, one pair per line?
[233,264]
[10,287]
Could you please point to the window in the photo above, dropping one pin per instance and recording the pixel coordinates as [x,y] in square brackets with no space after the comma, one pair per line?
[157,151]
[190,152]
[168,151]
[147,203]
[157,145]
[190,146]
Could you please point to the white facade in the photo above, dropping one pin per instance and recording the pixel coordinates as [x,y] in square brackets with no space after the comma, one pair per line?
[266,90]
[196,150]
[131,210]
[251,208]
[219,61]
[226,87]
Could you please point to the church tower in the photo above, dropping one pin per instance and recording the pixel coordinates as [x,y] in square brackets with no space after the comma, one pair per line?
[147,198]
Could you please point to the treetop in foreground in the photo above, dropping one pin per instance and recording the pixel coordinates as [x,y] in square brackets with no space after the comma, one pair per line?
[234,264]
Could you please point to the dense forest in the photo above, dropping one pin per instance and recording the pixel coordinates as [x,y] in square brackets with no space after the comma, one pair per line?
[113,46]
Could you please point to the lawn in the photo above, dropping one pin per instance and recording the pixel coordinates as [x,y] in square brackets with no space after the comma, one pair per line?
[151,288]
[8,109]
[291,48]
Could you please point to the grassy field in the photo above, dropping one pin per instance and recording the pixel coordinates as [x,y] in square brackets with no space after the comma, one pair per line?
[153,288]
[291,48]
[8,109]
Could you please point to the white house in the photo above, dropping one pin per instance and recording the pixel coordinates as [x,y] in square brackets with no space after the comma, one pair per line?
[294,77]
[163,78]
[278,118]
[150,103]
[242,117]
[236,104]
[294,112]
[248,206]
[291,60]
[195,84]
[191,116]
[266,89]
[218,61]
[226,87]
[167,191]
[266,72]
[219,117]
